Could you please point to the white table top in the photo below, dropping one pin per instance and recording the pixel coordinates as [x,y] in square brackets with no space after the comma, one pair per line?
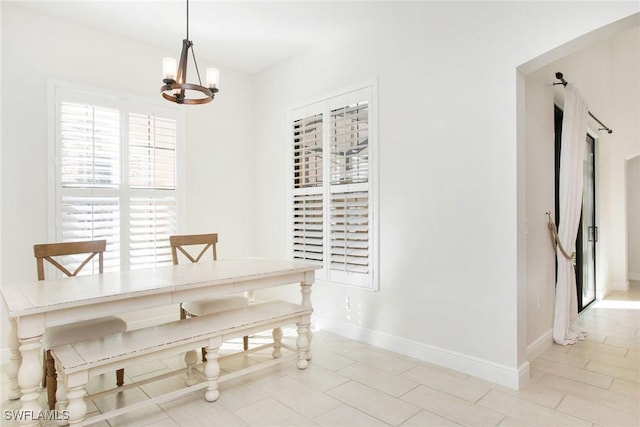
[29,298]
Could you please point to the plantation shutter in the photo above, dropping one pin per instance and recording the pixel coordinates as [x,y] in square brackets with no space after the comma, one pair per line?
[152,185]
[308,188]
[89,179]
[350,232]
[116,176]
[332,188]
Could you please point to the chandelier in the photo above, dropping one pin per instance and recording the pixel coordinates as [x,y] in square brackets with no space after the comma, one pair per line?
[176,89]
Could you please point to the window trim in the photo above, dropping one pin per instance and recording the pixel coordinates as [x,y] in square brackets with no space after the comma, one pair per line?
[126,103]
[373,181]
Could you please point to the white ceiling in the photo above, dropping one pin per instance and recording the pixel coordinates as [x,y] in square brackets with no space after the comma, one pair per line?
[249,36]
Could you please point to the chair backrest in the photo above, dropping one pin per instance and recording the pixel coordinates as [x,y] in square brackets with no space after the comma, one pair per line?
[46,251]
[206,240]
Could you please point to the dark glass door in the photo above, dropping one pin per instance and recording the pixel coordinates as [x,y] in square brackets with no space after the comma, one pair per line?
[587,231]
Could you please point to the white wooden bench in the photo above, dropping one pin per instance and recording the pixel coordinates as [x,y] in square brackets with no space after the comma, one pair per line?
[76,363]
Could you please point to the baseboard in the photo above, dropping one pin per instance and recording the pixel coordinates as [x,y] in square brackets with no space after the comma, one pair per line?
[540,345]
[619,286]
[494,372]
[634,276]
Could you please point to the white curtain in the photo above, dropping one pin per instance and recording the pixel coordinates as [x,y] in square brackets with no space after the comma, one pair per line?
[574,133]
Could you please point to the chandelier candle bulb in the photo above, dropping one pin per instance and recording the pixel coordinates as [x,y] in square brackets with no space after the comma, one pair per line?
[213,78]
[169,67]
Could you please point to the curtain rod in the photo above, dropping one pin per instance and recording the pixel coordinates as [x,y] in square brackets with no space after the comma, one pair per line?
[563,82]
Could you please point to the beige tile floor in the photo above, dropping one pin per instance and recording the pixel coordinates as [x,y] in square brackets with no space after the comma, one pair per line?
[593,383]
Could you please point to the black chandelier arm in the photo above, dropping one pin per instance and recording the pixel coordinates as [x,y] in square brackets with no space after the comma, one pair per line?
[181,76]
[193,54]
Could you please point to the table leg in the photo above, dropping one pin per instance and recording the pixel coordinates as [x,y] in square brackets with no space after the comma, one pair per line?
[305,290]
[15,360]
[29,377]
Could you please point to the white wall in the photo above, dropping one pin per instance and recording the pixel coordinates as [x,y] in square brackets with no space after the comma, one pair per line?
[625,101]
[614,99]
[449,224]
[36,48]
[633,217]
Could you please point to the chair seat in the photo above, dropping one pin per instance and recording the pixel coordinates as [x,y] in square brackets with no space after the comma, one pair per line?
[83,330]
[204,307]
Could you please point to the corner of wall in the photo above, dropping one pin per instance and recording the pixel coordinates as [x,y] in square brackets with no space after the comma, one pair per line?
[540,345]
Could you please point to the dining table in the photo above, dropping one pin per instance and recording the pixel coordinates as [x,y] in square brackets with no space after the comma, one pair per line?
[34,306]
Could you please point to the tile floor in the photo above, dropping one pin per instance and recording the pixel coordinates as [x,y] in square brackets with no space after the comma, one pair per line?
[593,383]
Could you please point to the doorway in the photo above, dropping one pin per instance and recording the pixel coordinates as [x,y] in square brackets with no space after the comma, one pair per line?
[585,264]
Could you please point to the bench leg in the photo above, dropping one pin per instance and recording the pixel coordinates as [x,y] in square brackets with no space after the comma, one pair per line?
[191,359]
[61,397]
[277,343]
[77,407]
[212,370]
[310,338]
[302,344]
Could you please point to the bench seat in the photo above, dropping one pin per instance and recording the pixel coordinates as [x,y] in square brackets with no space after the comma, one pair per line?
[79,361]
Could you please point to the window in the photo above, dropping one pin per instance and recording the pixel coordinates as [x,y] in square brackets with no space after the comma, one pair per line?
[115,175]
[333,188]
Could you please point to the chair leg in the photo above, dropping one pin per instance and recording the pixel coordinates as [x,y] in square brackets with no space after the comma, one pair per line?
[44,368]
[120,377]
[245,342]
[52,382]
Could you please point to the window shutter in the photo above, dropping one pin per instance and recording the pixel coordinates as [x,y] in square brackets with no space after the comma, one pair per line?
[307,189]
[350,210]
[152,152]
[90,146]
[350,231]
[89,209]
[152,184]
[85,217]
[152,219]
[307,227]
[350,144]
[116,175]
[332,197]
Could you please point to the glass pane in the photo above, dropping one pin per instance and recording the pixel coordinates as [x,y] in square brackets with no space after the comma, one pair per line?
[588,227]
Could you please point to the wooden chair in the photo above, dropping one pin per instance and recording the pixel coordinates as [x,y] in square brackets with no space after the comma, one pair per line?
[78,331]
[209,306]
